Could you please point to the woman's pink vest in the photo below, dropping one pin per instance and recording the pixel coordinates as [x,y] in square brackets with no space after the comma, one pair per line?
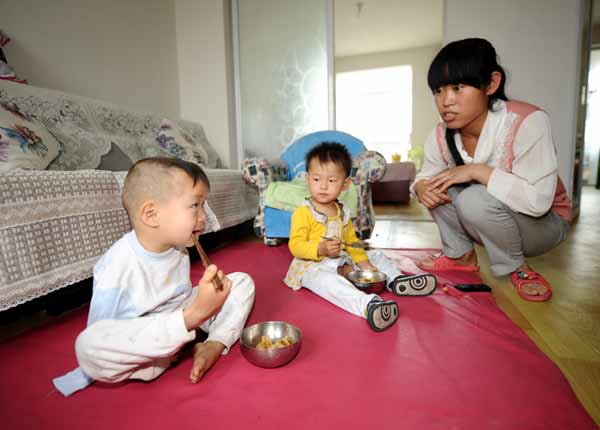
[561,204]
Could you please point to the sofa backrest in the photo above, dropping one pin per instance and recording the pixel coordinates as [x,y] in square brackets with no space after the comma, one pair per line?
[294,155]
[86,128]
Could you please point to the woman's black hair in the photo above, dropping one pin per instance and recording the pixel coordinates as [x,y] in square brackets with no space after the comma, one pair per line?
[469,62]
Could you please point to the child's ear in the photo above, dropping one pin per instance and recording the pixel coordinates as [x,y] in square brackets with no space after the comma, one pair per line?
[346,183]
[149,213]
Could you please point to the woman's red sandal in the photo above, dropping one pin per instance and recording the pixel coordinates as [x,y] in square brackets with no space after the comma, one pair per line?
[522,277]
[443,263]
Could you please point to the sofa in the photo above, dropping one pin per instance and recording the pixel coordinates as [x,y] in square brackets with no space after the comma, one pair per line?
[273,220]
[56,220]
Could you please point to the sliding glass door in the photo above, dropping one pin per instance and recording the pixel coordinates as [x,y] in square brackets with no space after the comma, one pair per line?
[284,70]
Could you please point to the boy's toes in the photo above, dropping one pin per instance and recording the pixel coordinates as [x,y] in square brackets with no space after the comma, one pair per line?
[414,285]
[205,356]
[198,369]
[381,315]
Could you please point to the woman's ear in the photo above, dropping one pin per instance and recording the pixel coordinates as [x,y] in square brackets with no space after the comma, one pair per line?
[149,214]
[495,81]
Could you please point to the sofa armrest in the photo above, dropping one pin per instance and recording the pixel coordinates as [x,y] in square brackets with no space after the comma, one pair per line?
[370,167]
[261,172]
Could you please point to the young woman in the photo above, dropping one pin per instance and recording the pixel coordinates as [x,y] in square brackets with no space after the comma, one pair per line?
[490,173]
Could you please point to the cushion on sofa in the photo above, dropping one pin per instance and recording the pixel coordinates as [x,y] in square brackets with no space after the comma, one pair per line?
[115,160]
[24,143]
[288,195]
[175,141]
[86,128]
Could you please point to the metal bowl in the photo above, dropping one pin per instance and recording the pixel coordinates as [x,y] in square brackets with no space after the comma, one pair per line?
[368,281]
[273,357]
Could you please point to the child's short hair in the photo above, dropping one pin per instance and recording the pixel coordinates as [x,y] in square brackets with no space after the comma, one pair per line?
[151,178]
[331,152]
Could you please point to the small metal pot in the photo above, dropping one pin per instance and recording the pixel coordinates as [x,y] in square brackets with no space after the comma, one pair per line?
[273,357]
[368,281]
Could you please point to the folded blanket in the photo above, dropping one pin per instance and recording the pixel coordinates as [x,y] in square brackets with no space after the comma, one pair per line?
[288,195]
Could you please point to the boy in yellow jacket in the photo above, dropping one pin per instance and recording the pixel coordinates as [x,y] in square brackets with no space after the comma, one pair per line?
[319,262]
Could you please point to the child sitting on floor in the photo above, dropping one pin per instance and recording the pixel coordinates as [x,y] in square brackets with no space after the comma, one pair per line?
[143,308]
[319,263]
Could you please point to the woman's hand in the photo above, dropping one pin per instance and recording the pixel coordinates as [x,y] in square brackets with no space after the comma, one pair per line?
[431,198]
[477,172]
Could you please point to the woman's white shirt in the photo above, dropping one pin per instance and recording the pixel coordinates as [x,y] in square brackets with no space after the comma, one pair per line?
[530,187]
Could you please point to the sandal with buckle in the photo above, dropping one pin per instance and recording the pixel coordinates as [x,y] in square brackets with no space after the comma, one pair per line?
[522,277]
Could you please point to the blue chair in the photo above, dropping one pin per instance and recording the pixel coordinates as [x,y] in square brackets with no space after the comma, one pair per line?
[274,223]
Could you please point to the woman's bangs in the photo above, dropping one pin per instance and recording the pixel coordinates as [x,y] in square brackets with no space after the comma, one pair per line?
[448,72]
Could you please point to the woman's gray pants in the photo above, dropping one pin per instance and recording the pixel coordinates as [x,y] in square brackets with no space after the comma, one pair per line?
[474,215]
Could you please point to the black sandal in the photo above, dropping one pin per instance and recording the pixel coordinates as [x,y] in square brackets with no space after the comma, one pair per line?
[414,285]
[381,315]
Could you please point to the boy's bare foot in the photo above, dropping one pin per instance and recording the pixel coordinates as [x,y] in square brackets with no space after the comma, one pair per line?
[205,355]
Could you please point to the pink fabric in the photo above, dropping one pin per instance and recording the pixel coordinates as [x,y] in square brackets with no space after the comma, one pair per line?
[561,203]
[522,109]
[449,363]
[441,140]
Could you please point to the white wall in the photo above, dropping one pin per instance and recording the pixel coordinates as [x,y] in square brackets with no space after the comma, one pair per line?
[164,56]
[205,72]
[425,114]
[538,44]
[119,51]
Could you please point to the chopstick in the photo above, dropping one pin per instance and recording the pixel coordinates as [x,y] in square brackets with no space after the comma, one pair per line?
[216,281]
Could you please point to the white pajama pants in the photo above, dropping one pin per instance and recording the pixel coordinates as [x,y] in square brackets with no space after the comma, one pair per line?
[323,280]
[143,348]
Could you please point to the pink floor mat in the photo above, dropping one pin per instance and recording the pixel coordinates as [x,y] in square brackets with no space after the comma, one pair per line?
[451,362]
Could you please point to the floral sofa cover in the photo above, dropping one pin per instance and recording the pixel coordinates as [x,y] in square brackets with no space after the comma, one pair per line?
[56,223]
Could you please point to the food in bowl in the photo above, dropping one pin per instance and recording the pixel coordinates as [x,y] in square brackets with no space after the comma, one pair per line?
[256,336]
[370,282]
[266,342]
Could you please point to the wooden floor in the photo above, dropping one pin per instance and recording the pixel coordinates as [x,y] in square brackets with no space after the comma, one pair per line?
[567,328]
